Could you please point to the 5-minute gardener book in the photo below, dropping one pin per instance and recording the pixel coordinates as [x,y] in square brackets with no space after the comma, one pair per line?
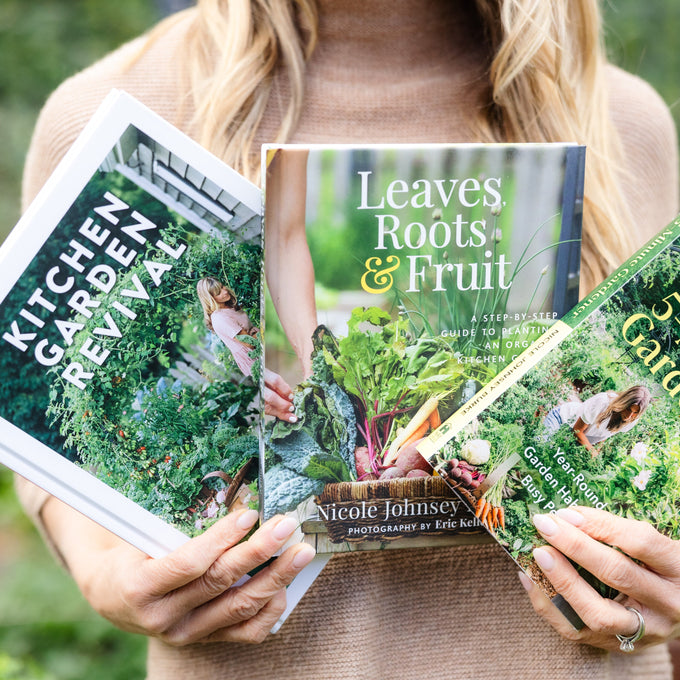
[588,415]
[116,397]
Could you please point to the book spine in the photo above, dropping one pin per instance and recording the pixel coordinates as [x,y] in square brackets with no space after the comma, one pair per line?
[572,220]
[624,273]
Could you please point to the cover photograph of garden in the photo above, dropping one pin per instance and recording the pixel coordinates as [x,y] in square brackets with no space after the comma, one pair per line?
[595,422]
[112,365]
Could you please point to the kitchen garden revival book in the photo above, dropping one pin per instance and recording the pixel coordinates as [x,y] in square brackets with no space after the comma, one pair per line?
[401,279]
[115,396]
[588,415]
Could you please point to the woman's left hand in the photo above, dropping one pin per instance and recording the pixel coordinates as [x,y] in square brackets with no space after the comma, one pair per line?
[645,570]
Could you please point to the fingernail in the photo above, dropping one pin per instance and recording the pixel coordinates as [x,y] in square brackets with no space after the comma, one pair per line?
[544,559]
[247,519]
[292,419]
[304,556]
[291,408]
[526,582]
[545,524]
[290,396]
[572,516]
[284,528]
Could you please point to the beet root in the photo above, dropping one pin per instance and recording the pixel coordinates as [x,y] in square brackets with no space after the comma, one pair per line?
[362,461]
[409,459]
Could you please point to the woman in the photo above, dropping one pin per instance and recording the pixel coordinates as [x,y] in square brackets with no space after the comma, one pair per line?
[601,416]
[223,315]
[387,71]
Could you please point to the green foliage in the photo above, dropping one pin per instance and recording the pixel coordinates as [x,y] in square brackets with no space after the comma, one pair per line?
[330,234]
[317,449]
[389,373]
[45,42]
[47,629]
[15,669]
[368,382]
[71,650]
[640,37]
[285,489]
[518,525]
[158,449]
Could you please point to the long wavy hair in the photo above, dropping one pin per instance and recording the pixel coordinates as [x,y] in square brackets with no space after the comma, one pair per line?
[206,289]
[638,395]
[546,83]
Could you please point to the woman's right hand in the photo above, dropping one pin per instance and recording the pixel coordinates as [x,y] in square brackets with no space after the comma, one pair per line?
[187,597]
[579,428]
[278,397]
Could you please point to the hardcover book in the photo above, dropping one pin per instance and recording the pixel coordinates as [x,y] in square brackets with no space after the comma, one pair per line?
[588,415]
[123,394]
[400,280]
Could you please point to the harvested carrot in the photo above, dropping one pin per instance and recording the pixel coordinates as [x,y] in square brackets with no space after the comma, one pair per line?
[435,419]
[494,517]
[480,506]
[485,513]
[418,434]
[501,517]
[418,419]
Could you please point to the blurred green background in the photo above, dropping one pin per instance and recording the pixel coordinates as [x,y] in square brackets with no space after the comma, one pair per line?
[46,629]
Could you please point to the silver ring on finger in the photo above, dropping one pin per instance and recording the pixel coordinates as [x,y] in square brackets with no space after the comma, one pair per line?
[628,641]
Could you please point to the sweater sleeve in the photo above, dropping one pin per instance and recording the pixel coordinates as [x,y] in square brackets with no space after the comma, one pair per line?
[650,146]
[33,498]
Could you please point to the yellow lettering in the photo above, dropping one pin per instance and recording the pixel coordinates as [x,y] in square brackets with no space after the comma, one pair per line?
[629,322]
[666,382]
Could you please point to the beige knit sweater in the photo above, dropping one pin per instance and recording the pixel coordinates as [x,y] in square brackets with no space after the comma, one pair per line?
[448,613]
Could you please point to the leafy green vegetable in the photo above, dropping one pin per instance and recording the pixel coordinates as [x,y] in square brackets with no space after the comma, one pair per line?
[317,449]
[285,489]
[389,373]
[363,385]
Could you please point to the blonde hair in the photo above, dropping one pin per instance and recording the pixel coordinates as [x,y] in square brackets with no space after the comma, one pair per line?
[637,395]
[206,289]
[233,50]
[547,82]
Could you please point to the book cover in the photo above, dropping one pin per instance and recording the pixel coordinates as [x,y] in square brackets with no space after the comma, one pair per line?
[124,392]
[588,415]
[400,279]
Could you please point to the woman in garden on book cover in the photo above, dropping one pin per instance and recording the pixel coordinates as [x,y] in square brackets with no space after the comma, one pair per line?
[223,315]
[601,416]
[238,73]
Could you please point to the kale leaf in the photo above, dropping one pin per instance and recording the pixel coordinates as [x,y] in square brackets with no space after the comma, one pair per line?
[315,450]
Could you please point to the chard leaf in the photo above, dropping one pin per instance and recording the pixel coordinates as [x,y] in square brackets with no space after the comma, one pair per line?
[302,454]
